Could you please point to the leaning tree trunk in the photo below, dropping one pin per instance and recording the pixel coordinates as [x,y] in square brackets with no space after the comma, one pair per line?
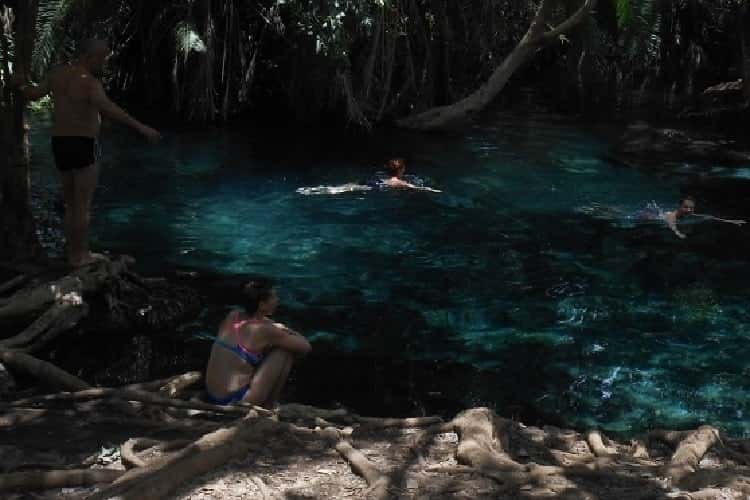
[535,38]
[18,238]
[744,26]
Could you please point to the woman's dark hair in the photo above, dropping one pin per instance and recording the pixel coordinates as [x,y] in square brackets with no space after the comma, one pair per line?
[256,291]
[395,166]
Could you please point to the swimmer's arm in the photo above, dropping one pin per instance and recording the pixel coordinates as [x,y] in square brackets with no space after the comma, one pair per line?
[738,222]
[418,188]
[111,110]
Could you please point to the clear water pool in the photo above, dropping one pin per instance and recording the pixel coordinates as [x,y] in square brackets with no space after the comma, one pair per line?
[526,273]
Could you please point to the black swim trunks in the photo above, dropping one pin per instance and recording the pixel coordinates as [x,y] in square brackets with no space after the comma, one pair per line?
[74,152]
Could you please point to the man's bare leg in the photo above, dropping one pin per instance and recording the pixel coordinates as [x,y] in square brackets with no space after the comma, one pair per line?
[68,189]
[271,373]
[85,180]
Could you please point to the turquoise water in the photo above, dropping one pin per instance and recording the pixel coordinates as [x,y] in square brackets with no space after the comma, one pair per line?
[525,275]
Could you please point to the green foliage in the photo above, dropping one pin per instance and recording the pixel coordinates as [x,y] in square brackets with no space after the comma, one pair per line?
[187,40]
[50,39]
[624,13]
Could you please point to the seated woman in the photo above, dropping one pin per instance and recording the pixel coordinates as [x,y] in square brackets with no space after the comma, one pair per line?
[252,356]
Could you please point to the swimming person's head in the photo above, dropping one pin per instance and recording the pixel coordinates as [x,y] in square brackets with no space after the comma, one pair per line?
[260,297]
[395,167]
[687,206]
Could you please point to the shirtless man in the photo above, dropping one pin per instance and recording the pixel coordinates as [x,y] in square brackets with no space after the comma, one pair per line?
[79,101]
[687,207]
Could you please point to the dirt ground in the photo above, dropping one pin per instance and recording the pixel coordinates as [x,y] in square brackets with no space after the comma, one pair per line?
[477,455]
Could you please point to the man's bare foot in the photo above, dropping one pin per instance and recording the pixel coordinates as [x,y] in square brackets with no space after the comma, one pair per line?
[91,258]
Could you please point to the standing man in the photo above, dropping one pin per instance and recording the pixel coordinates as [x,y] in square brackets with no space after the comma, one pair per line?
[79,101]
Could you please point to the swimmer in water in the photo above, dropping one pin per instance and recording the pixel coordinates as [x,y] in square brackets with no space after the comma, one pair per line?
[687,207]
[394,179]
[396,168]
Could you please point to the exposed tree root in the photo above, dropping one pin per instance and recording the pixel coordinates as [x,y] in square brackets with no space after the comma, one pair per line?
[62,316]
[130,448]
[42,370]
[30,301]
[294,412]
[594,439]
[57,479]
[376,481]
[690,451]
[140,396]
[175,386]
[265,492]
[159,478]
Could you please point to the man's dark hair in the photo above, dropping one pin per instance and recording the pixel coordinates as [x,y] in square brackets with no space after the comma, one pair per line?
[256,291]
[685,198]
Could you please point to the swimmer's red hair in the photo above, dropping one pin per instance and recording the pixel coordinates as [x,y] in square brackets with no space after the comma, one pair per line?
[395,166]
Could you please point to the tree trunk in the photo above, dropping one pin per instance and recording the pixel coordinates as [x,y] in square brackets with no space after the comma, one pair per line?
[744,25]
[18,238]
[535,38]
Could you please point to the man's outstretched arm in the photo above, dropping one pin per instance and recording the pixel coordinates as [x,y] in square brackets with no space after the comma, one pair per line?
[115,112]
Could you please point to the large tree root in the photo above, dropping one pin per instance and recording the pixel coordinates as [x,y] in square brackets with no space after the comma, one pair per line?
[57,479]
[595,442]
[140,396]
[176,385]
[130,448]
[42,370]
[299,412]
[159,478]
[62,316]
[690,450]
[377,482]
[29,302]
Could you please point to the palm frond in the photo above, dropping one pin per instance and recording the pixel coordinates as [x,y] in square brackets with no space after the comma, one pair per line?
[49,38]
